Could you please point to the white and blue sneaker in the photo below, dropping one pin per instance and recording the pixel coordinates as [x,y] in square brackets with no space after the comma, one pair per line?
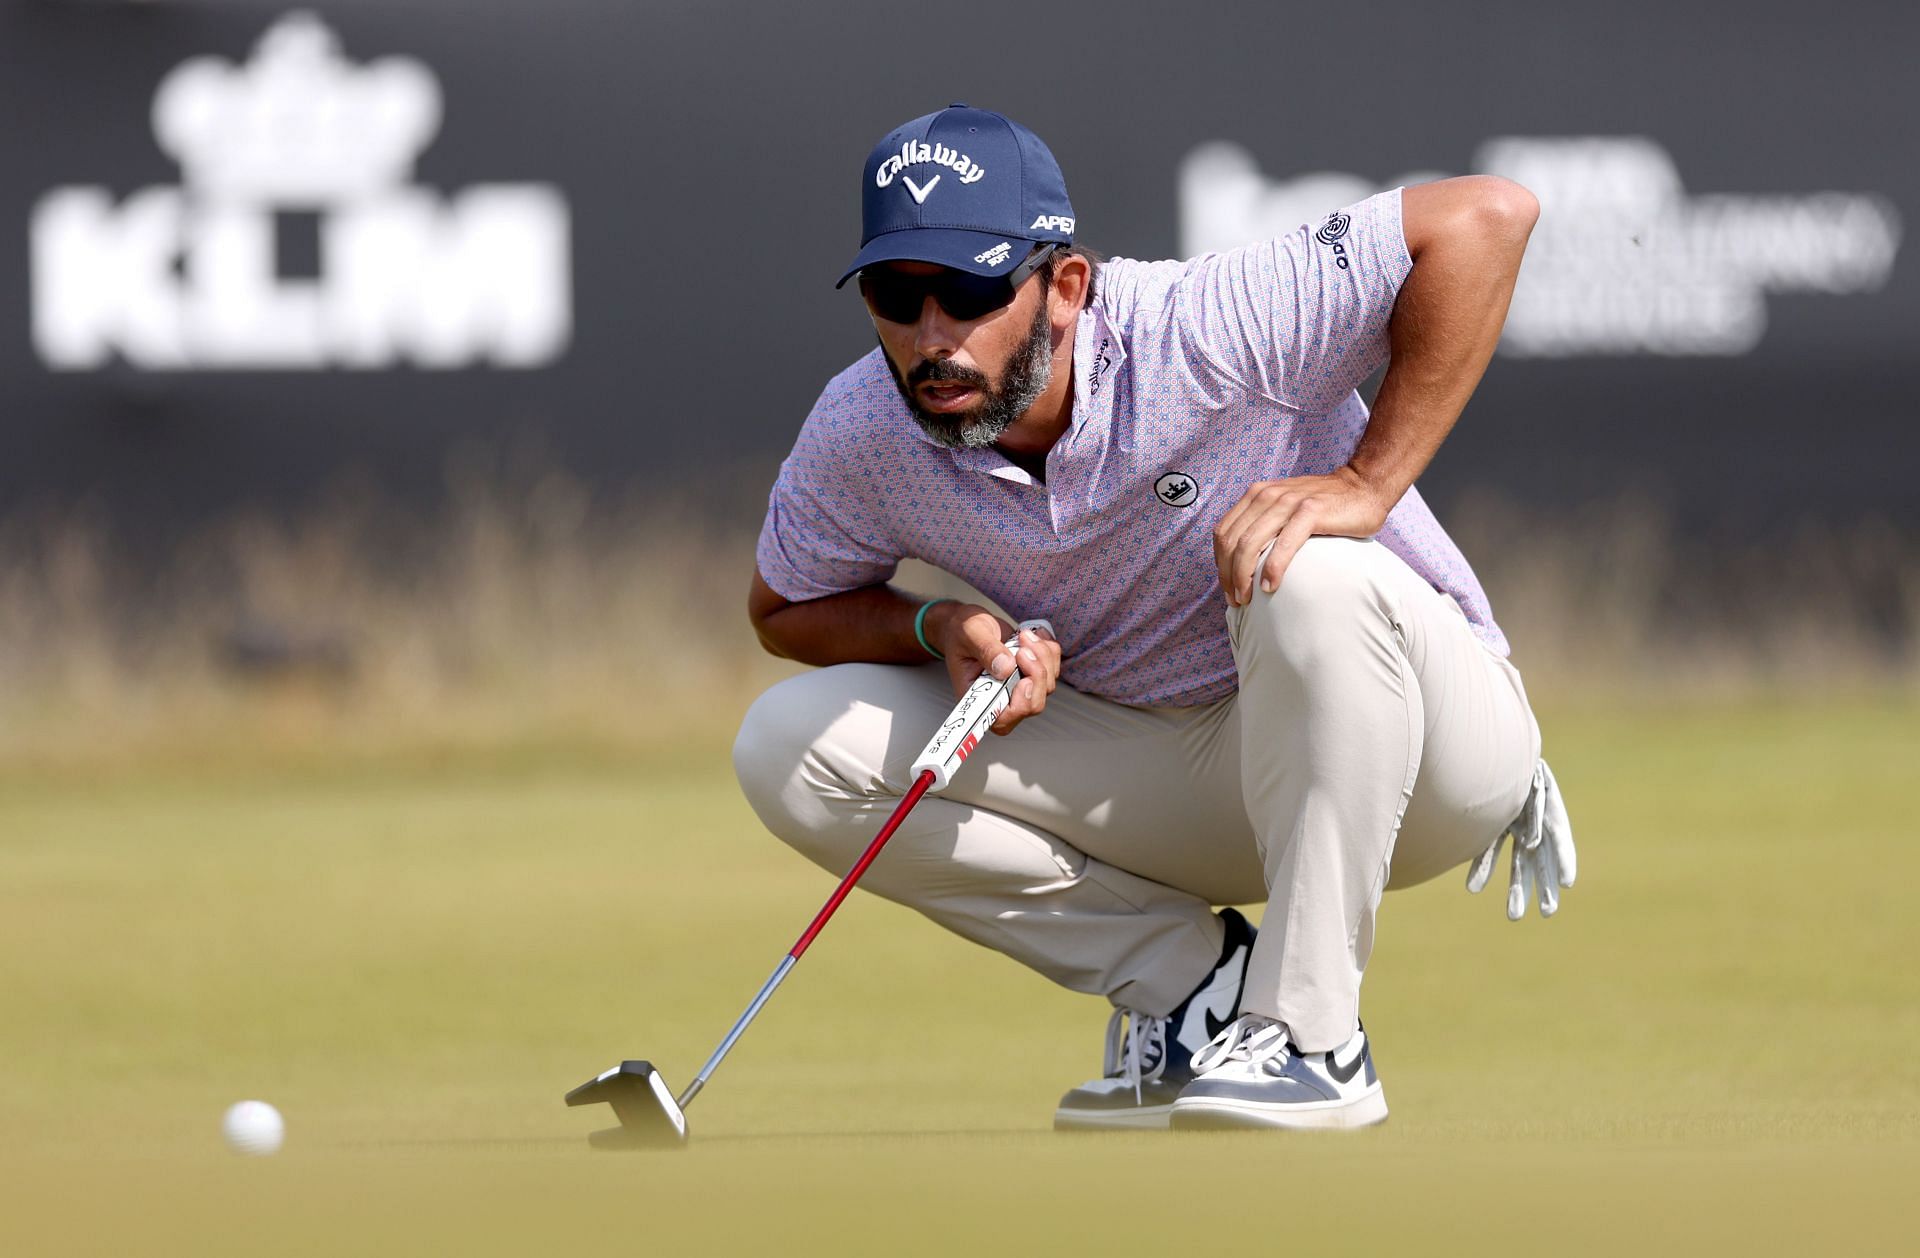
[1251,1076]
[1149,1059]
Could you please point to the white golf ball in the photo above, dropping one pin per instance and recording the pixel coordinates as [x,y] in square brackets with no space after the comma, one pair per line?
[254,1128]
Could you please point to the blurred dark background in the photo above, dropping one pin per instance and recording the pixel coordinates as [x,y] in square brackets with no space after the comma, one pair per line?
[698,162]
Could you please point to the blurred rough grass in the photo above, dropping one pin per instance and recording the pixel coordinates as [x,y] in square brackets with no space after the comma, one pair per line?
[530,609]
[520,611]
[1616,597]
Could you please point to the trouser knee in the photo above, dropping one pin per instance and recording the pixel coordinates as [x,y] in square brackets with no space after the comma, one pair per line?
[1330,591]
[818,749]
[770,759]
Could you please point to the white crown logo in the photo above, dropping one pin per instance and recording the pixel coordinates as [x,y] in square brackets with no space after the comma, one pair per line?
[299,125]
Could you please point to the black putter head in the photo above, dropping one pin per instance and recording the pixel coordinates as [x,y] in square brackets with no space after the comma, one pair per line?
[649,1116]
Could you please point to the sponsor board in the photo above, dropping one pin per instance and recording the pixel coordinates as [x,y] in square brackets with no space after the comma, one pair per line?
[300,139]
[1623,261]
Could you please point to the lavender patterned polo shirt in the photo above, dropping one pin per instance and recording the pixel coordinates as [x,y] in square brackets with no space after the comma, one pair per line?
[1192,380]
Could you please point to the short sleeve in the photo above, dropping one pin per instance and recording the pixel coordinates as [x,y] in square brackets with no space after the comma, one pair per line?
[1303,318]
[822,534]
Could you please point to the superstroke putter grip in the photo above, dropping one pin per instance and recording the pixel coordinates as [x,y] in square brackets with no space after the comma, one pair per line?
[960,734]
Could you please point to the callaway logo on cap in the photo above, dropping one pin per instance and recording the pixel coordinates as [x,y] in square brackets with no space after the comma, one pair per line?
[963,188]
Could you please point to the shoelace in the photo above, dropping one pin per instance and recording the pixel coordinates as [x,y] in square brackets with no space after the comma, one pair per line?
[1130,1036]
[1250,1038]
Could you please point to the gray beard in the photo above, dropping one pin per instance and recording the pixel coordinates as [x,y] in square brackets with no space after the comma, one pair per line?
[1027,376]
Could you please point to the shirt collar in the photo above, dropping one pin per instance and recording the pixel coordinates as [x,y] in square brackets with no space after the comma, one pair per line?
[989,460]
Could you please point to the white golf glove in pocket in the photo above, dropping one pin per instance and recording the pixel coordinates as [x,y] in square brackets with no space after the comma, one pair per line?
[1543,858]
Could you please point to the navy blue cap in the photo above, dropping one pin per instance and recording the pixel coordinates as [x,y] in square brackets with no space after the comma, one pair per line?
[963,188]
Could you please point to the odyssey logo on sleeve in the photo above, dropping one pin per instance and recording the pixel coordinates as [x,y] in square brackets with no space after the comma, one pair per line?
[1331,232]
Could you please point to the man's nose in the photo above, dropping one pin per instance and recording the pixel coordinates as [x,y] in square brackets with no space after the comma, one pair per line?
[935,335]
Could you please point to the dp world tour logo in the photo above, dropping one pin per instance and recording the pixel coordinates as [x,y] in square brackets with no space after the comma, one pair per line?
[300,145]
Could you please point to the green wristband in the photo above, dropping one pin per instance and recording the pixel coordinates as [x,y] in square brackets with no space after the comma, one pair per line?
[920,626]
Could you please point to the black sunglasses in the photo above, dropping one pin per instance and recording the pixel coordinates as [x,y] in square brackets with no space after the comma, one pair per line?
[899,298]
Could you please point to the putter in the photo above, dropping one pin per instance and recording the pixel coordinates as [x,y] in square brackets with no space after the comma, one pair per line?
[650,1115]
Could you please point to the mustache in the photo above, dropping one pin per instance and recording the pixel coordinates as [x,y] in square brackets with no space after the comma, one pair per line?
[946,371]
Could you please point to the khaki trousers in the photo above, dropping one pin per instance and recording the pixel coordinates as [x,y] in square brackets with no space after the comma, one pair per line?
[1373,743]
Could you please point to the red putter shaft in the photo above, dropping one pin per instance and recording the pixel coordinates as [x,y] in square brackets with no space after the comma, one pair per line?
[921,785]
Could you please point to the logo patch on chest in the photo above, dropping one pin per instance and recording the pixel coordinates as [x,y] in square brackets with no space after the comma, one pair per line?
[1177,489]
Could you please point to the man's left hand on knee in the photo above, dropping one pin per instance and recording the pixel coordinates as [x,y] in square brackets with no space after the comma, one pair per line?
[1286,513]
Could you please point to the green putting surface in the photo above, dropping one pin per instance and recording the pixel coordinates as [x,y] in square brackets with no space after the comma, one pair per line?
[414,957]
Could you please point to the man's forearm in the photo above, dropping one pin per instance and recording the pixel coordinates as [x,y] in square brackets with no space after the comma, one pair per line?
[870,625]
[1466,238]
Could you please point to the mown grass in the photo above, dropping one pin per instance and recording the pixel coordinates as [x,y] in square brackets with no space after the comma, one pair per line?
[415,950]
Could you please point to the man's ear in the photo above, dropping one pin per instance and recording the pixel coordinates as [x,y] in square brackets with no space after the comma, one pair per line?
[1068,291]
